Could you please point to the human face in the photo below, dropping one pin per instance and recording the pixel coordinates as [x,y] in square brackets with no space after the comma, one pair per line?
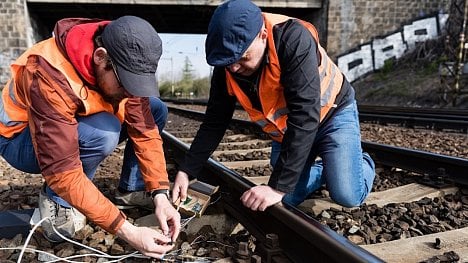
[109,83]
[252,57]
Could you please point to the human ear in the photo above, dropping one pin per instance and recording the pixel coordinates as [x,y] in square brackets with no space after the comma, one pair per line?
[100,56]
[263,33]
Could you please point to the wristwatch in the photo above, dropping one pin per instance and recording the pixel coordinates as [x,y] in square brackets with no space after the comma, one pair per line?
[160,191]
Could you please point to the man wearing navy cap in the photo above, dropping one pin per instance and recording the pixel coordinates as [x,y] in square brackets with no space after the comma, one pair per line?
[71,99]
[274,66]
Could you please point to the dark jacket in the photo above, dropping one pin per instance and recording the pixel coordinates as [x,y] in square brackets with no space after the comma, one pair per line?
[297,53]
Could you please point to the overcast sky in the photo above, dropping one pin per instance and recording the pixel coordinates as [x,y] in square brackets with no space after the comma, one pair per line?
[177,47]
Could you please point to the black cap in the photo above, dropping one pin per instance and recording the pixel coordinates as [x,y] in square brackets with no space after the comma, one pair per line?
[232,29]
[135,48]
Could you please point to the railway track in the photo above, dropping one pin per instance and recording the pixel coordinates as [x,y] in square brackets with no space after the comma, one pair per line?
[305,233]
[313,242]
[400,217]
[437,119]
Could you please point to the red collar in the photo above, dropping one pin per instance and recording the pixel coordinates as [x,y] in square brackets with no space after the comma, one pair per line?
[79,46]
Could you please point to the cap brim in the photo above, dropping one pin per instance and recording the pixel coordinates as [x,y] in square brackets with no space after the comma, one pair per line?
[218,61]
[137,84]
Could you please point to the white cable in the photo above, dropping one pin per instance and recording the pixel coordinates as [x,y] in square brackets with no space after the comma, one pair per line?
[76,243]
[98,254]
[67,259]
[215,201]
[36,251]
[29,238]
[185,221]
[117,258]
[195,240]
[101,254]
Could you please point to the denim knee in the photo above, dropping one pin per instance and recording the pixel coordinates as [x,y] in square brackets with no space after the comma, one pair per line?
[347,199]
[355,197]
[369,160]
[108,142]
[98,134]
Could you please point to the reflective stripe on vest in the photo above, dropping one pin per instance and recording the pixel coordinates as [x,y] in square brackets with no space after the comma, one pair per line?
[272,119]
[13,114]
[4,118]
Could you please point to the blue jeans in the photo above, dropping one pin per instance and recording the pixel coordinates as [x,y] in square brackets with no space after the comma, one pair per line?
[347,172]
[98,136]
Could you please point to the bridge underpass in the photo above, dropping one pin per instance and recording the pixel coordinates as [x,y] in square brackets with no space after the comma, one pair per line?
[166,16]
[344,27]
[25,22]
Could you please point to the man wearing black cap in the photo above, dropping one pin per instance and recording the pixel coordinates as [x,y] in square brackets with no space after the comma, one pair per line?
[71,99]
[274,66]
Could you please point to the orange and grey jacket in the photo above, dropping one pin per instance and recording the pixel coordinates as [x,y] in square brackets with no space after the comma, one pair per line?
[52,83]
[274,114]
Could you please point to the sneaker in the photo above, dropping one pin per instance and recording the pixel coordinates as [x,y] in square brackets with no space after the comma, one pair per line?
[61,218]
[133,199]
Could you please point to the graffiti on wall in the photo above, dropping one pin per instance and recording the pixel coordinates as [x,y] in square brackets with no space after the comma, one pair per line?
[372,56]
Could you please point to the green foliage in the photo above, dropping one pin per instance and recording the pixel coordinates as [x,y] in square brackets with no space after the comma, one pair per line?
[433,66]
[165,89]
[187,71]
[386,69]
[188,86]
[388,65]
[201,87]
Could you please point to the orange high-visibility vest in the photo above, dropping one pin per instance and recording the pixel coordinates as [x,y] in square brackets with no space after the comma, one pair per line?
[274,112]
[14,117]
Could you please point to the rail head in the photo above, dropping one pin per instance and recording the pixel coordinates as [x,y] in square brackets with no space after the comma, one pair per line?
[300,236]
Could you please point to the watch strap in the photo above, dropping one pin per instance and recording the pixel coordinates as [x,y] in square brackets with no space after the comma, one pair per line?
[159,191]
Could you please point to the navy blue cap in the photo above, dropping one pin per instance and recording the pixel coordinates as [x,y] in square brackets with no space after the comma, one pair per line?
[135,48]
[233,27]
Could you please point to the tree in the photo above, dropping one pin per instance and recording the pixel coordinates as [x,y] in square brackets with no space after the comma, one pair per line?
[185,85]
[165,88]
[201,87]
[187,71]
[188,84]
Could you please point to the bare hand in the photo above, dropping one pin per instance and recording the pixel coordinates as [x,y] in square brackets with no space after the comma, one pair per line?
[261,197]
[167,216]
[148,241]
[179,190]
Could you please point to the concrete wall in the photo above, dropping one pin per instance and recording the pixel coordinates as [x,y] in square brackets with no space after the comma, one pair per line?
[15,34]
[354,22]
[261,3]
[343,24]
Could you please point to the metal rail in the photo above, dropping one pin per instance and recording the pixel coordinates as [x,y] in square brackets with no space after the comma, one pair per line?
[437,166]
[438,119]
[426,112]
[445,167]
[416,117]
[301,238]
